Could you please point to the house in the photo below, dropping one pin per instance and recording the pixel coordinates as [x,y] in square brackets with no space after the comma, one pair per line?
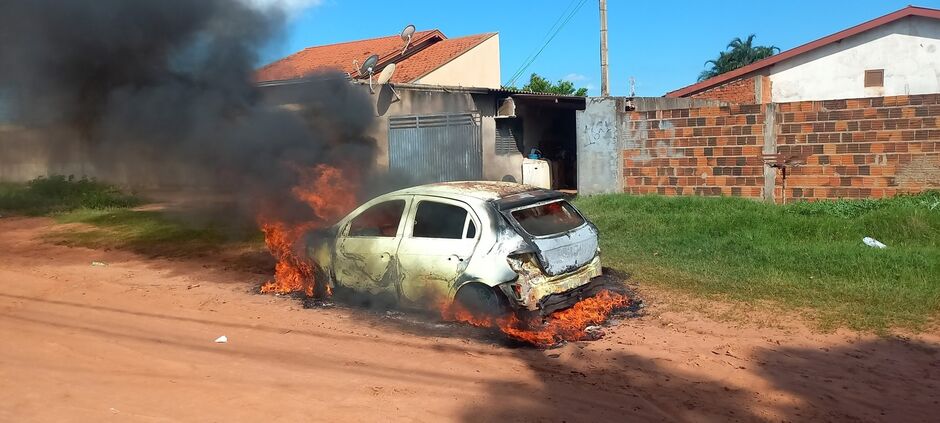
[444,116]
[896,54]
[431,58]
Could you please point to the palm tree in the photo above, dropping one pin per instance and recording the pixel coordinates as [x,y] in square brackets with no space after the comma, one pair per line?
[739,53]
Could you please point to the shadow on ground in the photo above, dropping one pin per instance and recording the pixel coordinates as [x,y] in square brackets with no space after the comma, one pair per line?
[840,384]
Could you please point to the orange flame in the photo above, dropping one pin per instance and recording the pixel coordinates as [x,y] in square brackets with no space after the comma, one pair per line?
[564,325]
[330,193]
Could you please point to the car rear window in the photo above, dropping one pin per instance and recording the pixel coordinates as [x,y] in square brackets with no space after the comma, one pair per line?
[548,219]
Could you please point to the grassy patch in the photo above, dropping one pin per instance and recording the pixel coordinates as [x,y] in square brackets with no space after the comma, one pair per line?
[59,193]
[803,256]
[151,233]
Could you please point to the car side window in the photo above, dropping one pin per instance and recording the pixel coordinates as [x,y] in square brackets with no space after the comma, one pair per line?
[380,220]
[439,220]
[471,229]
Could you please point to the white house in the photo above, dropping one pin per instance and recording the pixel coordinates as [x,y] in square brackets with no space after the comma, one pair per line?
[896,54]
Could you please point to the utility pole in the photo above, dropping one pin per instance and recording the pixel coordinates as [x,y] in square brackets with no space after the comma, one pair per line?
[605,89]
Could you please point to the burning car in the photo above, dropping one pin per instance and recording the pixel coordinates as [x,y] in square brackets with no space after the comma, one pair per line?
[488,246]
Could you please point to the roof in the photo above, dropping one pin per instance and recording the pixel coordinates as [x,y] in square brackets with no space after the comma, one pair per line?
[481,190]
[434,56]
[777,58]
[429,50]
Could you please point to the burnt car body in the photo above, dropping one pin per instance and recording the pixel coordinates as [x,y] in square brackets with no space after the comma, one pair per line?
[489,245]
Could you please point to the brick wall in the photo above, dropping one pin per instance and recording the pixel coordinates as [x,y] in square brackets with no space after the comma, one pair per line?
[744,90]
[858,148]
[699,151]
[870,147]
[740,91]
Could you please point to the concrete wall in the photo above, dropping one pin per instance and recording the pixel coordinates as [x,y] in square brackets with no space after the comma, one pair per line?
[600,158]
[478,67]
[435,101]
[643,104]
[907,50]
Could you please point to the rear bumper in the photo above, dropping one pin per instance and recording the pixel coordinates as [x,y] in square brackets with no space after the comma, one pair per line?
[535,291]
[554,302]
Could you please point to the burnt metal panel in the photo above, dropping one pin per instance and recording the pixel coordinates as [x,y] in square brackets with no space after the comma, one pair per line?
[436,148]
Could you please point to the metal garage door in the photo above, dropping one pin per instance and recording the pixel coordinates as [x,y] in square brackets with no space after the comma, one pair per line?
[436,148]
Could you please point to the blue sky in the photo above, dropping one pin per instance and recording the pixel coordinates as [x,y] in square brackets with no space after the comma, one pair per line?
[662,45]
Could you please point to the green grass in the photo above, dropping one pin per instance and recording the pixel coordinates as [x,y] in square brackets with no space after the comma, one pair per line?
[150,232]
[43,196]
[110,223]
[805,256]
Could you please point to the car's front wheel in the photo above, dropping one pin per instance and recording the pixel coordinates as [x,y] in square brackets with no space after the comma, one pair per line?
[481,300]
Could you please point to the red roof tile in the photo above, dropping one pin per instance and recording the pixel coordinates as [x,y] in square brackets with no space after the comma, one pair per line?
[777,58]
[429,50]
[438,54]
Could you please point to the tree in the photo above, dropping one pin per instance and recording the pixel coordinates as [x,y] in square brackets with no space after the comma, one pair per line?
[739,53]
[540,84]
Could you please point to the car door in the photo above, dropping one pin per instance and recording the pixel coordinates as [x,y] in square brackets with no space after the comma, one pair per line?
[366,257]
[439,239]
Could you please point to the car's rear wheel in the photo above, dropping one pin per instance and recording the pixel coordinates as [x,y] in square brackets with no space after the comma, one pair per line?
[481,300]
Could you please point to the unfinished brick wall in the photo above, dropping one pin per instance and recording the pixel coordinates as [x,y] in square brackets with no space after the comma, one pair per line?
[751,89]
[739,91]
[700,151]
[858,148]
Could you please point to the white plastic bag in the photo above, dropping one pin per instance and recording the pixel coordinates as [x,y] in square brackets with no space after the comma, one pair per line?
[872,242]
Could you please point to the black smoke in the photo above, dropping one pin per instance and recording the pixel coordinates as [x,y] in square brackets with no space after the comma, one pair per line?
[162,93]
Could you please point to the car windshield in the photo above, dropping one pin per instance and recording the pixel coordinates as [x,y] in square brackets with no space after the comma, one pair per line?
[548,219]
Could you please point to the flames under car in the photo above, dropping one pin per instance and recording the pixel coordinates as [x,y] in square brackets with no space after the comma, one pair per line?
[489,246]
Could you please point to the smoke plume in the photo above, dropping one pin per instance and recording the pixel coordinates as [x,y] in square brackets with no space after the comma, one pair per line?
[161,92]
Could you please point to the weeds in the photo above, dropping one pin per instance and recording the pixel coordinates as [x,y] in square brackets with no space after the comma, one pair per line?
[54,194]
[802,256]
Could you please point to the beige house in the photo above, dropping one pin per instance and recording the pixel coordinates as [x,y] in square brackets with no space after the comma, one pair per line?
[431,58]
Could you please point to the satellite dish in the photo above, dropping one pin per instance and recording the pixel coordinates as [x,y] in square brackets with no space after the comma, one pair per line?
[366,68]
[386,74]
[406,36]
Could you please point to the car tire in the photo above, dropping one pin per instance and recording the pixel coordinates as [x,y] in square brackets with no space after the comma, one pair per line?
[481,300]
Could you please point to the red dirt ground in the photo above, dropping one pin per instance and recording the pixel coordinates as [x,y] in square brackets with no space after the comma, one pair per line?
[134,341]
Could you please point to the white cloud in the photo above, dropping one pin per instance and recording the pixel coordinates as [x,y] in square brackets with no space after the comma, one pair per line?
[574,77]
[290,7]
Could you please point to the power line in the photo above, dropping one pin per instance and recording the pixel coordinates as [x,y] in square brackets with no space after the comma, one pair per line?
[544,39]
[558,29]
[551,36]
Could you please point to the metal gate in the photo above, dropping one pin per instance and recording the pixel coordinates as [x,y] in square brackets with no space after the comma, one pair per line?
[436,148]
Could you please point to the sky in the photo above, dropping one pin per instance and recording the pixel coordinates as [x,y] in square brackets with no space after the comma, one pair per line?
[662,45]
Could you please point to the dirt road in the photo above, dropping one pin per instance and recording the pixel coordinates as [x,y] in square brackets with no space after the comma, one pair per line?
[133,341]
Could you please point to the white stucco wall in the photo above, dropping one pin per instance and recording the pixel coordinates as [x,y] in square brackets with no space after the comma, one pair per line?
[478,67]
[907,50]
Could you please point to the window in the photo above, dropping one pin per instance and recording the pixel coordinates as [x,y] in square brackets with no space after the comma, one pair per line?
[508,136]
[874,78]
[548,219]
[440,220]
[471,230]
[380,220]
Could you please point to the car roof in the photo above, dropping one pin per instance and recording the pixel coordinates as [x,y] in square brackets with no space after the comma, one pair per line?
[481,190]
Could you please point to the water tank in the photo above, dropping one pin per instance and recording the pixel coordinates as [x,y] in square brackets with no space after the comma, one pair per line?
[536,172]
